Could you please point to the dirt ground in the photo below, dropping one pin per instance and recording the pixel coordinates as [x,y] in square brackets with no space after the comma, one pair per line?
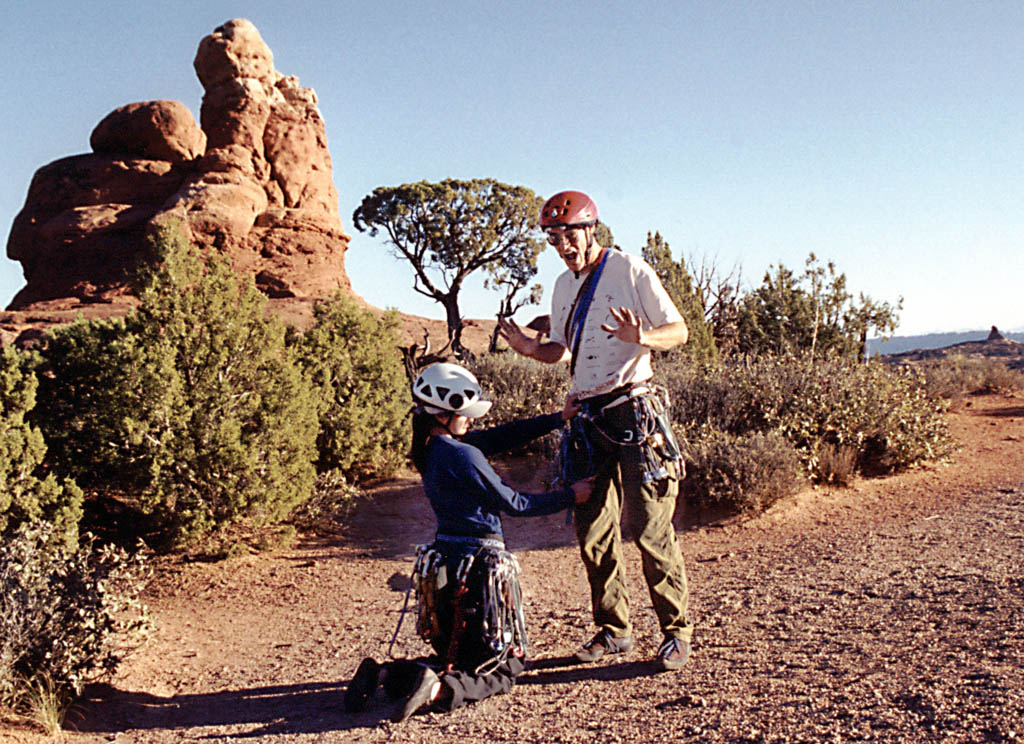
[888,611]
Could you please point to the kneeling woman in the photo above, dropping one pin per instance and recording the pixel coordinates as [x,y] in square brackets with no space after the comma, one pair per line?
[467,583]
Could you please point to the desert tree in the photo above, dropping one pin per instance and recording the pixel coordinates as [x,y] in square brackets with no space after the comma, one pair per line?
[351,356]
[679,284]
[811,313]
[867,315]
[719,294]
[511,277]
[192,403]
[28,492]
[448,230]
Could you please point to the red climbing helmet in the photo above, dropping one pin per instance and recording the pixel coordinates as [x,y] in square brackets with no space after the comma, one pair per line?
[568,209]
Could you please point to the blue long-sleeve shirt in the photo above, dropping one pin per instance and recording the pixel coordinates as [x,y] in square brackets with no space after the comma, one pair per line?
[468,496]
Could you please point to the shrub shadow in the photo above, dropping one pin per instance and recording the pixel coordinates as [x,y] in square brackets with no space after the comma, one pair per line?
[1014,412]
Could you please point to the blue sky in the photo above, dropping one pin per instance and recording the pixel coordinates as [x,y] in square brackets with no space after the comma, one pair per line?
[885,136]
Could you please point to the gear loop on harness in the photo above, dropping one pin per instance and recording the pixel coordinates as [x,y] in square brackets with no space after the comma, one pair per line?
[500,601]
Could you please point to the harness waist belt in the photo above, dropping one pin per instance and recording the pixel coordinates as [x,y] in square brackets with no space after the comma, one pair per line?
[604,401]
[494,543]
[628,395]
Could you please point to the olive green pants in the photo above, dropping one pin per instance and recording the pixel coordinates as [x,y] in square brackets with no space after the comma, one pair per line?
[650,508]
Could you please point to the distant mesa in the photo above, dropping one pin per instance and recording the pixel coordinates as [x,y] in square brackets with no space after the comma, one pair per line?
[254,181]
[996,345]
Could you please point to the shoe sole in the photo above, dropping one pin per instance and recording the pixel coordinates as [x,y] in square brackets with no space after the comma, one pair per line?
[363,685]
[419,697]
[669,666]
[582,658]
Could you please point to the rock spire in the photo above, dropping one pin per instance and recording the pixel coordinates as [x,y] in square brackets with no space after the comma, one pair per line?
[254,180]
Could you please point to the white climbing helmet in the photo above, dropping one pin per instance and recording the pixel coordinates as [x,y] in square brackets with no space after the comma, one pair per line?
[449,388]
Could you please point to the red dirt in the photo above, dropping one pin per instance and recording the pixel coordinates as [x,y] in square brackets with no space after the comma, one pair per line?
[888,611]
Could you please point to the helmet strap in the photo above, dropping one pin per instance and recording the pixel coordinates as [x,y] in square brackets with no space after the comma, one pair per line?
[444,421]
[591,242]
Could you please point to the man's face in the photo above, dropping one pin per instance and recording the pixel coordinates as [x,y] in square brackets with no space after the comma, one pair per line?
[571,244]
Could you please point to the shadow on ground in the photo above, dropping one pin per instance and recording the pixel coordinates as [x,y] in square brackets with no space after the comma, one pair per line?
[276,709]
[565,669]
[1015,412]
[309,708]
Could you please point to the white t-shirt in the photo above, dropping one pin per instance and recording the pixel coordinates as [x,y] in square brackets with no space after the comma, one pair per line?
[604,362]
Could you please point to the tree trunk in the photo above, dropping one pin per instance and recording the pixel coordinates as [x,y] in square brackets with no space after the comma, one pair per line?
[504,311]
[451,311]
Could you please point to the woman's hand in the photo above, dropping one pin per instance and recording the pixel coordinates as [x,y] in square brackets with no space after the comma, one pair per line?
[581,490]
[571,407]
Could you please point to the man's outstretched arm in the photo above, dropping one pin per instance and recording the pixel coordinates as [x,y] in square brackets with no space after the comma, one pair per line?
[543,351]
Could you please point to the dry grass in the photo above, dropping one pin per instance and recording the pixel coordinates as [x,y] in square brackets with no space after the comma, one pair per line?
[837,463]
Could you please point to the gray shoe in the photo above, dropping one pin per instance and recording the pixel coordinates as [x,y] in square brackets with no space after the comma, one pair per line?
[672,654]
[420,696]
[603,644]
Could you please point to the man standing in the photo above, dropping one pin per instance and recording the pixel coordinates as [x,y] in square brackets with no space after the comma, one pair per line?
[608,311]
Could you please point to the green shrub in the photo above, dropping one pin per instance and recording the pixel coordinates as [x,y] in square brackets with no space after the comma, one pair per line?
[79,401]
[713,396]
[740,473]
[26,493]
[352,357]
[66,615]
[193,404]
[885,414]
[521,388]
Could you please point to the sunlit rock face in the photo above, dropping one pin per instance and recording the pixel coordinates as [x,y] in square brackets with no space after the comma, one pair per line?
[253,179]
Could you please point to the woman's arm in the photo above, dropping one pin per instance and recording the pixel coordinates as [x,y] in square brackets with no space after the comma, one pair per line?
[499,496]
[508,436]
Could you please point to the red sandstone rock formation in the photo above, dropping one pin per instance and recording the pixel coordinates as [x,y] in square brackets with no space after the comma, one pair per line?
[254,181]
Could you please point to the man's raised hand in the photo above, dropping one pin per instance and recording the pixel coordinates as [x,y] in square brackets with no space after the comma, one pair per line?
[629,328]
[513,334]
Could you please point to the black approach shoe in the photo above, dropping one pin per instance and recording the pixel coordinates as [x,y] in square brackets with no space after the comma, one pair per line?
[420,696]
[362,686]
[601,645]
[672,654]
[400,678]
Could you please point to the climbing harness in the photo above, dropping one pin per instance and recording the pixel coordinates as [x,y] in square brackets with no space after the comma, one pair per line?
[646,426]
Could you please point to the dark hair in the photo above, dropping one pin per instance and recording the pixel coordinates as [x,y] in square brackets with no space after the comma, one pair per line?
[422,424]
